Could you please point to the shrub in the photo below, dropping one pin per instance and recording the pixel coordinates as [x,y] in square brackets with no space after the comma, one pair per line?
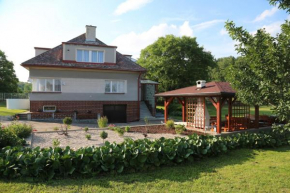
[86,129]
[88,136]
[138,155]
[55,128]
[119,130]
[179,129]
[67,121]
[103,135]
[22,130]
[8,138]
[103,122]
[127,128]
[55,142]
[169,124]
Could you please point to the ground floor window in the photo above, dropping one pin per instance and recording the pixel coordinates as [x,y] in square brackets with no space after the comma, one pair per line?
[49,108]
[113,86]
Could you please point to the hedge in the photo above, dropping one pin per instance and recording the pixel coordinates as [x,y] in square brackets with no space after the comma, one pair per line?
[139,155]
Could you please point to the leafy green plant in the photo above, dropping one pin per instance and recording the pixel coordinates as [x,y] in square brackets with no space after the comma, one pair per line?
[22,130]
[179,129]
[127,128]
[119,130]
[8,138]
[55,142]
[86,129]
[169,124]
[103,135]
[67,121]
[103,122]
[88,136]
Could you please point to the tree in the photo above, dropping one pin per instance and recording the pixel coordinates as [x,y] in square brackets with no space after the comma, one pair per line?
[282,4]
[220,71]
[176,62]
[262,76]
[24,87]
[8,79]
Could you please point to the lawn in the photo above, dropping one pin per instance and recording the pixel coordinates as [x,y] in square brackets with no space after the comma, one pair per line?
[8,112]
[263,110]
[244,170]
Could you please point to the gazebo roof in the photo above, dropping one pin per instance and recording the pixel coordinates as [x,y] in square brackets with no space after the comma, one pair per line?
[210,89]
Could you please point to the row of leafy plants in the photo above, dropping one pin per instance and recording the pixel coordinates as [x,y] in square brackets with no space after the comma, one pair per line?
[14,134]
[130,155]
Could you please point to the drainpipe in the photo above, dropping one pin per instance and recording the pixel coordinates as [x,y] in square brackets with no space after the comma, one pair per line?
[138,90]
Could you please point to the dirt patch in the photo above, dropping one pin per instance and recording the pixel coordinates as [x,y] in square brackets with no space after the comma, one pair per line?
[161,129]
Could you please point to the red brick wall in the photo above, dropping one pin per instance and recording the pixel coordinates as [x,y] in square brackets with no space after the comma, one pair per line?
[68,107]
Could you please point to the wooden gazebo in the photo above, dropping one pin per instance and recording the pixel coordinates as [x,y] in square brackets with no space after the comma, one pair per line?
[194,110]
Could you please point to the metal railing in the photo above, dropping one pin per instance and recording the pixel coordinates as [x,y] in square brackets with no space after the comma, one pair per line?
[4,96]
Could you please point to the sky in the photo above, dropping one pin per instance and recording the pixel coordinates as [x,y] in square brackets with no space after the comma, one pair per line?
[131,25]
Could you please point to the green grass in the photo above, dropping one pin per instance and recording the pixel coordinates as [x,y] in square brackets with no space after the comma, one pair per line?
[263,110]
[244,170]
[8,112]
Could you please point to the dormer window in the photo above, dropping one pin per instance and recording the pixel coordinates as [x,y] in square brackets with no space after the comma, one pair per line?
[90,56]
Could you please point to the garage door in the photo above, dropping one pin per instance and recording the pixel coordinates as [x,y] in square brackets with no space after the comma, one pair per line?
[115,113]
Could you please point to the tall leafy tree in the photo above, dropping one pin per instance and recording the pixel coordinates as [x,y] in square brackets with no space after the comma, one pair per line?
[220,71]
[282,4]
[24,87]
[262,76]
[8,79]
[176,62]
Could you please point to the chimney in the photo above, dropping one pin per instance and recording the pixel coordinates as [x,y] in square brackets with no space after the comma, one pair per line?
[90,33]
[39,50]
[200,84]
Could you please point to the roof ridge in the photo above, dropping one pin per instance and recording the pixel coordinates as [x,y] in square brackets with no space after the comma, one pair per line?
[218,85]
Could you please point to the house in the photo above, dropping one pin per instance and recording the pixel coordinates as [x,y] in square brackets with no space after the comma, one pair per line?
[85,78]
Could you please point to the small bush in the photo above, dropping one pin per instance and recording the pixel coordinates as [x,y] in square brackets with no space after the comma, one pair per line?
[179,129]
[103,122]
[170,124]
[88,136]
[22,130]
[103,135]
[127,128]
[8,138]
[55,143]
[119,130]
[55,128]
[67,121]
[86,129]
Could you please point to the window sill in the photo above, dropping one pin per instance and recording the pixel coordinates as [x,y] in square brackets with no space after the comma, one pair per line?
[114,93]
[45,92]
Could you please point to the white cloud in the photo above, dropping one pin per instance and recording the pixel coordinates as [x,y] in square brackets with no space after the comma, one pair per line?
[223,31]
[273,28]
[185,29]
[206,24]
[115,20]
[266,13]
[130,5]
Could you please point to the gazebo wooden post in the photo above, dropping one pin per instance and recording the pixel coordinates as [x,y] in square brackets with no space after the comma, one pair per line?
[257,116]
[184,110]
[218,115]
[167,101]
[230,113]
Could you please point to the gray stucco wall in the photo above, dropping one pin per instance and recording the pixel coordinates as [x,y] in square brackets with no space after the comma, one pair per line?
[69,52]
[130,95]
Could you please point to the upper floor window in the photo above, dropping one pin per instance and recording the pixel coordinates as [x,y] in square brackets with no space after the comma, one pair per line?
[90,56]
[47,85]
[114,86]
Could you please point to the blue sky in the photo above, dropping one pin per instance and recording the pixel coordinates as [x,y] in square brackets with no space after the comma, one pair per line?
[129,24]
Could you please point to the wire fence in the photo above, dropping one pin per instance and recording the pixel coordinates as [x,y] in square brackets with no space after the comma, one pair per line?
[4,96]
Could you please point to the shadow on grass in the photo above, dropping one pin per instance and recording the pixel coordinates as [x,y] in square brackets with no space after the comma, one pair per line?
[179,173]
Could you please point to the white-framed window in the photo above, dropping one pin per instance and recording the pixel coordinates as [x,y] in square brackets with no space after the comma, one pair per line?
[49,108]
[114,86]
[47,85]
[90,56]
